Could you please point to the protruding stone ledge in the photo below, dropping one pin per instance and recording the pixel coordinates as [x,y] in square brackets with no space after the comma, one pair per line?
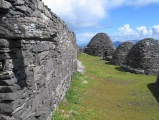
[8,82]
[6,75]
[8,89]
[4,6]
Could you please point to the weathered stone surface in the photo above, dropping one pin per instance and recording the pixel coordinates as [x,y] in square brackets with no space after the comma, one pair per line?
[143,57]
[40,26]
[8,82]
[1,66]
[6,89]
[10,96]
[38,55]
[6,75]
[8,107]
[5,117]
[100,45]
[19,2]
[121,52]
[4,43]
[4,5]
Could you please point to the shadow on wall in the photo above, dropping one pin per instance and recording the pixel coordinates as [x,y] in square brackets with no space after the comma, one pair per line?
[17,62]
[154,88]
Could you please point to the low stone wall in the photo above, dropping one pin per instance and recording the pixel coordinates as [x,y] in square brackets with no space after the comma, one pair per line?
[38,55]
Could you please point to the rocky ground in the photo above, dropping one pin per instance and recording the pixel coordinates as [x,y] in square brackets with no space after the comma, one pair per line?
[80,67]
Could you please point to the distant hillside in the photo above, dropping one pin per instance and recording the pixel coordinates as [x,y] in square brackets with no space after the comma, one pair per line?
[116,43]
[134,41]
[83,45]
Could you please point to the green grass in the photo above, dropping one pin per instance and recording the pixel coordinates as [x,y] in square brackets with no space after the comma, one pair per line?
[105,92]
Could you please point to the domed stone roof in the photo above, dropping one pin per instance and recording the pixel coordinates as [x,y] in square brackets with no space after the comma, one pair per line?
[100,45]
[143,57]
[121,53]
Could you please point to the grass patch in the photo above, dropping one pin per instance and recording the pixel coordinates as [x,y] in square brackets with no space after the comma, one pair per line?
[106,92]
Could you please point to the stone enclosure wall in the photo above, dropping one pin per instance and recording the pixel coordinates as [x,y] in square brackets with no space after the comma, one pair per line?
[37,59]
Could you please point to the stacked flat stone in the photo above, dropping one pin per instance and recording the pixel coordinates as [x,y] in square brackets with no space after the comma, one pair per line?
[100,45]
[143,57]
[38,55]
[121,53]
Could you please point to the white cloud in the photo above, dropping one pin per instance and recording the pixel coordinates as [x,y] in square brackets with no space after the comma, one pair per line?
[127,33]
[142,30]
[79,13]
[87,14]
[155,30]
[85,37]
[83,14]
[126,30]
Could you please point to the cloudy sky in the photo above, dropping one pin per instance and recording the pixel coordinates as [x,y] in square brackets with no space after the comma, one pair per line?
[121,19]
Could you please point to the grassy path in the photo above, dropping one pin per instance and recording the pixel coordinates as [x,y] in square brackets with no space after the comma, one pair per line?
[105,92]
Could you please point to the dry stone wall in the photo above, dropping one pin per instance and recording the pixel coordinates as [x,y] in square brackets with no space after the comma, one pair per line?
[38,55]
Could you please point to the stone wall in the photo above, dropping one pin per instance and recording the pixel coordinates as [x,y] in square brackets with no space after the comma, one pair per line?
[38,56]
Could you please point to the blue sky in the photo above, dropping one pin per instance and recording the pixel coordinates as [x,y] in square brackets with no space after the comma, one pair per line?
[121,19]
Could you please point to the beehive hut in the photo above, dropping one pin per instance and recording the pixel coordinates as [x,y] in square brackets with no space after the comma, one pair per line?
[121,53]
[100,45]
[143,57]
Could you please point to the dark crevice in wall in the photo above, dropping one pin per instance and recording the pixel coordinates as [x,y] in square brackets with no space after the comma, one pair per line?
[18,64]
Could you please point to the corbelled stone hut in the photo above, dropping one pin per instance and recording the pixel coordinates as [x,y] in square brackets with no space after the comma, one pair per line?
[143,57]
[121,53]
[100,45]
